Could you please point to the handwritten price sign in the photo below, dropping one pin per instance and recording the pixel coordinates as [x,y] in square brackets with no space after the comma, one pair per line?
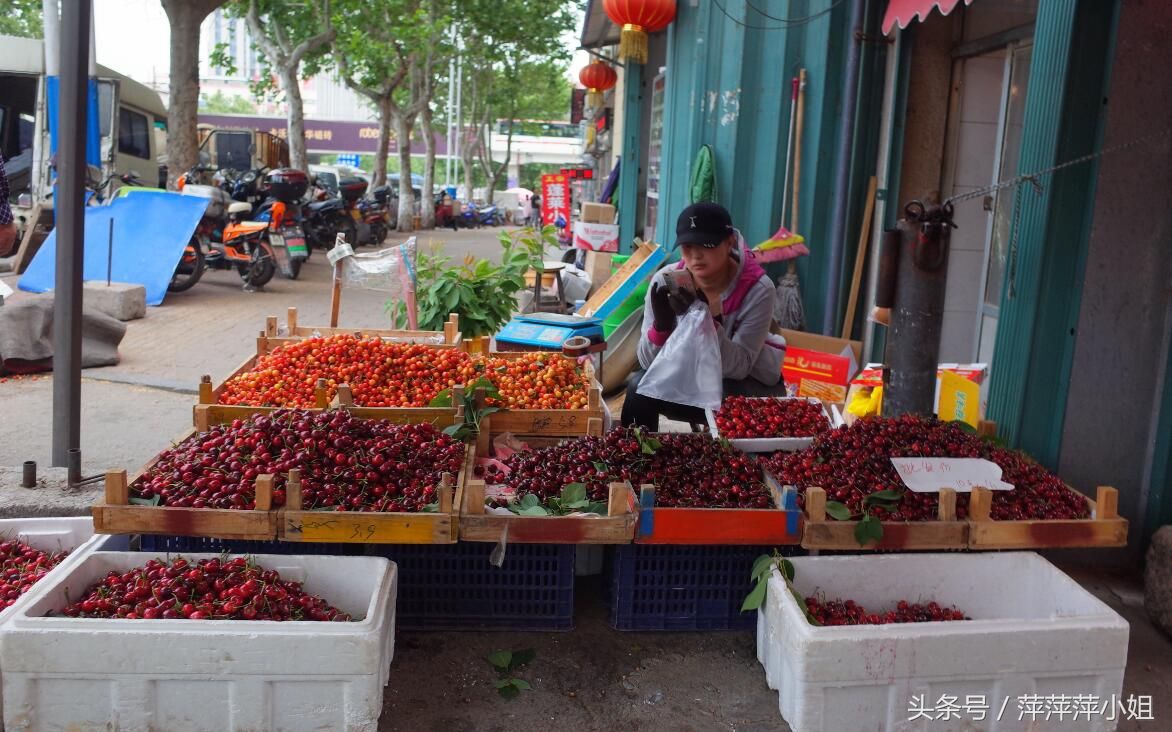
[929,475]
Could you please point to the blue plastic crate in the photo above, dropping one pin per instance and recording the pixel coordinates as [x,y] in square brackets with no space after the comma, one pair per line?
[681,587]
[204,545]
[453,586]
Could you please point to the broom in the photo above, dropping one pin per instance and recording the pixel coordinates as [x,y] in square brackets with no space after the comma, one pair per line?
[784,245]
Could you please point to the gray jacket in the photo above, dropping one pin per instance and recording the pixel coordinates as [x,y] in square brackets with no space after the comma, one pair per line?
[746,346]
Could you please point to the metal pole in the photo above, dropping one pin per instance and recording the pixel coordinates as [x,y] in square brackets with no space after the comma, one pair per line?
[110,253]
[917,315]
[846,133]
[70,212]
[460,108]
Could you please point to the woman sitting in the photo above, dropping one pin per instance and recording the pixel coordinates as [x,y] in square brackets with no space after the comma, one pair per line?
[740,297]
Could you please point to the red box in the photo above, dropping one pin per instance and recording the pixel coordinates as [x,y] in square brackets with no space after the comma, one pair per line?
[819,366]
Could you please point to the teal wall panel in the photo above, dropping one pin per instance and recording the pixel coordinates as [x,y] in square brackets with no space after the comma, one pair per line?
[728,86]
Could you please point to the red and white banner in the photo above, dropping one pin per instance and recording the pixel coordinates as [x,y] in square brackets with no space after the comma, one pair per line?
[555,199]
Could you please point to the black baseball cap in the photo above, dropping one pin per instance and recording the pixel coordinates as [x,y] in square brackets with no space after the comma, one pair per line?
[706,224]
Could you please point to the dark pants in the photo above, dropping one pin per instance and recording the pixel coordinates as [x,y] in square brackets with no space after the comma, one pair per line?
[644,411]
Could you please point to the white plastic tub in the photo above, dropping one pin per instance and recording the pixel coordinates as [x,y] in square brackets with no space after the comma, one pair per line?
[181,675]
[1034,631]
[773,444]
[74,534]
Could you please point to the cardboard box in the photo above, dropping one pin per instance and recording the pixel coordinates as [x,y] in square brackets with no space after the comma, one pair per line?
[596,237]
[597,213]
[598,266]
[819,366]
[957,391]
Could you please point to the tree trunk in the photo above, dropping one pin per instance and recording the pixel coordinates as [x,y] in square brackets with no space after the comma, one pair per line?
[384,142]
[298,157]
[428,212]
[468,158]
[184,17]
[406,195]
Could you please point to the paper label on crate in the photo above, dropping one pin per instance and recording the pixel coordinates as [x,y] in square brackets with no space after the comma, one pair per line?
[930,474]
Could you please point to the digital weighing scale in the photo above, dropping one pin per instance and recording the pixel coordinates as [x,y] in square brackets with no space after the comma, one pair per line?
[547,331]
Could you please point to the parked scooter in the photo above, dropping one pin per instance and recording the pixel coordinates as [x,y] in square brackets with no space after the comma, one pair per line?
[255,249]
[323,218]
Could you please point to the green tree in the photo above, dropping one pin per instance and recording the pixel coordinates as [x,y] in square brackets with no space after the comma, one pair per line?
[221,103]
[22,18]
[513,58]
[293,38]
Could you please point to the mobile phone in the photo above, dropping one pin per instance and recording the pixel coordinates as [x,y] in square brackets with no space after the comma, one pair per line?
[681,280]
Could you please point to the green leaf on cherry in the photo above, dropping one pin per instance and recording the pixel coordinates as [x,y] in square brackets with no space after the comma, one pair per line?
[574,493]
[601,466]
[443,399]
[787,569]
[869,529]
[140,501]
[838,511]
[762,566]
[757,596]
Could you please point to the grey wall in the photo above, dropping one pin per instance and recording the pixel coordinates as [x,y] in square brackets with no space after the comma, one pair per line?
[1126,309]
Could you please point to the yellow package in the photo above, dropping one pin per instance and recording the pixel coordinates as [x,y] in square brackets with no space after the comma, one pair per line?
[866,402]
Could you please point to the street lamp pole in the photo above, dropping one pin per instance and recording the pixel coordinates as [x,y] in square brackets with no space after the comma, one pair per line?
[69,208]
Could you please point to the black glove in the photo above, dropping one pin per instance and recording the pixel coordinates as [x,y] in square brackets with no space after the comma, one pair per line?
[663,316]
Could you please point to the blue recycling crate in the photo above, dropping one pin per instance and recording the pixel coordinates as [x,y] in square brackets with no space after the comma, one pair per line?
[682,587]
[454,587]
[205,545]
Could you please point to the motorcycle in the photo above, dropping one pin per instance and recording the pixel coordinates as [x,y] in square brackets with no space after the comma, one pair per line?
[255,249]
[324,218]
[374,221]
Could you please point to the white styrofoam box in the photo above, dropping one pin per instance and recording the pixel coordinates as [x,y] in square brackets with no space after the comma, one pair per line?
[773,444]
[74,534]
[180,675]
[1034,630]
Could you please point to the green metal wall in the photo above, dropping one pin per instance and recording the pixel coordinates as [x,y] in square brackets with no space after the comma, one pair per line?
[1040,301]
[728,86]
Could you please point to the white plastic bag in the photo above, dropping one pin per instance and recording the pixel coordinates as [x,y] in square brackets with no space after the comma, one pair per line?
[687,370]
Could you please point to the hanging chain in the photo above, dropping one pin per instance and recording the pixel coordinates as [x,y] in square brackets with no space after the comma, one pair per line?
[1034,179]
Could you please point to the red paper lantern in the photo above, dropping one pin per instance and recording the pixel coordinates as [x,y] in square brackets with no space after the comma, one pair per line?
[597,77]
[637,18]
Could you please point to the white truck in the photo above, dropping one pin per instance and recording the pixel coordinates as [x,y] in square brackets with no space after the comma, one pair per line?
[132,123]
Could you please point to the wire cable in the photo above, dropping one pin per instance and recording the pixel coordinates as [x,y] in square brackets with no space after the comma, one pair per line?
[794,23]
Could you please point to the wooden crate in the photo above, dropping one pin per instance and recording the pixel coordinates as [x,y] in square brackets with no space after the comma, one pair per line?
[449,337]
[553,422]
[1106,528]
[823,532]
[441,527]
[114,514]
[781,524]
[617,527]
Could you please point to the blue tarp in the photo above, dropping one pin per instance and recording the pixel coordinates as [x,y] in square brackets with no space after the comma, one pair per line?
[93,153]
[151,229]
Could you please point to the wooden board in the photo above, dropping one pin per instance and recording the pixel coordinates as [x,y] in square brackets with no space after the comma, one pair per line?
[360,527]
[743,526]
[823,532]
[617,527]
[1106,529]
[449,337]
[642,263]
[114,514]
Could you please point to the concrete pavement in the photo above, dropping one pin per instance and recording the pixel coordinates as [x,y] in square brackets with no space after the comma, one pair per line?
[131,411]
